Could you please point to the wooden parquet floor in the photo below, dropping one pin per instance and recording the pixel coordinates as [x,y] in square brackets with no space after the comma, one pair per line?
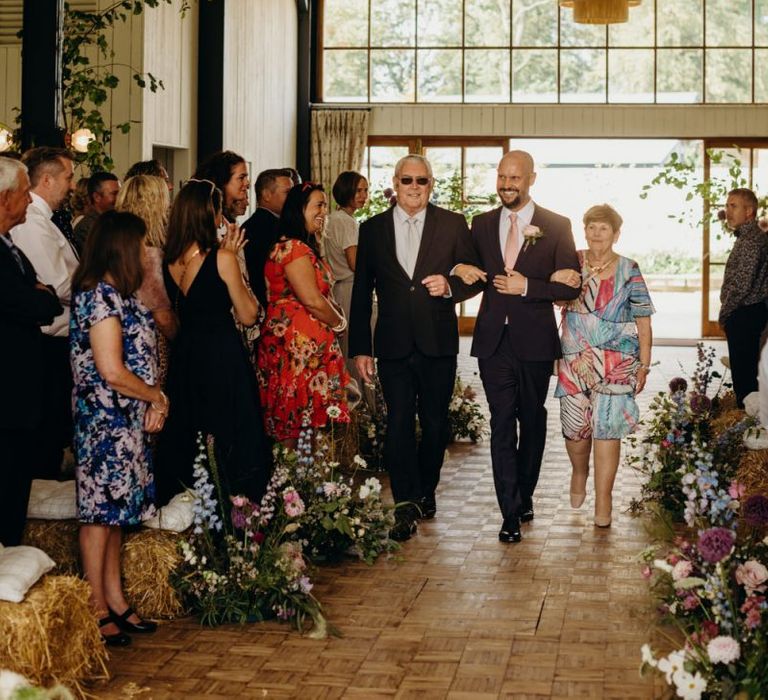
[456,615]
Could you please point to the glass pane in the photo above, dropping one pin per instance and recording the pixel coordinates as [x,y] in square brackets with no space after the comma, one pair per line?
[534,23]
[728,75]
[638,31]
[439,75]
[381,166]
[439,23]
[486,23]
[724,18]
[392,78]
[480,174]
[761,75]
[582,75]
[732,171]
[393,23]
[345,23]
[678,75]
[446,163]
[761,22]
[345,75]
[760,171]
[573,34]
[683,23]
[486,75]
[534,75]
[630,75]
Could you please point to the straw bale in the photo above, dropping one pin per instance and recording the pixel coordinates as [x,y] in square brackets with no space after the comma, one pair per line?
[148,559]
[59,540]
[724,403]
[53,636]
[753,471]
[727,419]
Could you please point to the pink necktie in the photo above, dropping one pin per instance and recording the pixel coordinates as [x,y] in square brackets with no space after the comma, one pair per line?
[511,247]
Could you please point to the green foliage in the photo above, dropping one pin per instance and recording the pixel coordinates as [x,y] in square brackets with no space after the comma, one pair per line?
[667,262]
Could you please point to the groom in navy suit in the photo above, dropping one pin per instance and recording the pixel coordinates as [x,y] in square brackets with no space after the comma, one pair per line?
[519,246]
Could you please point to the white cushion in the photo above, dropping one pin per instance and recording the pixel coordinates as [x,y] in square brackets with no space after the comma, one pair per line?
[20,569]
[756,439]
[752,404]
[52,500]
[177,516]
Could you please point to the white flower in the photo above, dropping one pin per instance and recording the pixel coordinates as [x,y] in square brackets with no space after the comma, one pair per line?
[360,462]
[723,650]
[333,412]
[371,431]
[647,654]
[688,686]
[373,484]
[663,565]
[672,664]
[364,492]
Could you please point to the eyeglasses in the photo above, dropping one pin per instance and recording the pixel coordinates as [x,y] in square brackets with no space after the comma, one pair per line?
[408,179]
[208,182]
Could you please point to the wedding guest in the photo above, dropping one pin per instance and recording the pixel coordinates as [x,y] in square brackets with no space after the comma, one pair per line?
[210,379]
[103,189]
[606,340]
[301,368]
[229,172]
[79,201]
[117,403]
[744,291]
[350,191]
[154,168]
[25,305]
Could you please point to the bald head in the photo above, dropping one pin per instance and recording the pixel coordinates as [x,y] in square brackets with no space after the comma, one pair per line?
[515,176]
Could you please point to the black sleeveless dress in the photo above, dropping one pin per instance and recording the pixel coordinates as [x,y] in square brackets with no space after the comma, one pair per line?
[212,387]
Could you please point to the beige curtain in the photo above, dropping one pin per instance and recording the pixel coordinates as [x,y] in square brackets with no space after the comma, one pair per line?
[339,138]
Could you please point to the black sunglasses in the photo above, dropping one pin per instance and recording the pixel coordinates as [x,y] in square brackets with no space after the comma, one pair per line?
[408,179]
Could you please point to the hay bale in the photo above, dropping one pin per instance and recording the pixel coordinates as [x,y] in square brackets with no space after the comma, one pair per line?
[753,471]
[727,419]
[52,636]
[724,403]
[148,559]
[59,540]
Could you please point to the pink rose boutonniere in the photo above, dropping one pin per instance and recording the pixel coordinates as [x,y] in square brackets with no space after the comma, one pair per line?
[531,234]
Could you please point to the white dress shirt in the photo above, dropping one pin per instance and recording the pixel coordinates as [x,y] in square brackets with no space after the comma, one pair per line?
[51,255]
[524,217]
[401,233]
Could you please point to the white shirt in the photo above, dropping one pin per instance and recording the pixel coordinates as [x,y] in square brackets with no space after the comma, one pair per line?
[51,255]
[401,232]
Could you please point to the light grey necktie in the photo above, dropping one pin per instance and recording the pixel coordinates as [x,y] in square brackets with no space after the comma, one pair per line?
[413,239]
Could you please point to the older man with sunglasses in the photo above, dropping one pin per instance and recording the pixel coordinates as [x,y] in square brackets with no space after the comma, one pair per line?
[406,255]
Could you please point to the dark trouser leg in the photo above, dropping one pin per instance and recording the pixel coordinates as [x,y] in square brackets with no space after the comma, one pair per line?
[743,330]
[15,481]
[501,382]
[532,416]
[56,425]
[435,377]
[398,383]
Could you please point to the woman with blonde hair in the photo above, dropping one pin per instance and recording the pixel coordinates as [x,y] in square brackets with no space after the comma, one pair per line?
[147,197]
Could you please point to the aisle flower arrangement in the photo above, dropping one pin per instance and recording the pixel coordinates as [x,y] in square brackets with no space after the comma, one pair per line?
[465,415]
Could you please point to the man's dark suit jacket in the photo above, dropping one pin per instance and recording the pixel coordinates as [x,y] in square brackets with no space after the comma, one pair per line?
[531,319]
[409,318]
[260,232]
[23,309]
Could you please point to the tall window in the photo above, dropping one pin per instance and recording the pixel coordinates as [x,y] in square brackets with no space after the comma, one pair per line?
[529,51]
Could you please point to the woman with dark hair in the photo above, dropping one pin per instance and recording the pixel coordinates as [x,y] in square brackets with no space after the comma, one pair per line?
[210,378]
[301,368]
[117,402]
[229,172]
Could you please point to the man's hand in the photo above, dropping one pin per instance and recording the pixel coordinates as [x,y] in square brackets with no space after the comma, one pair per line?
[566,276]
[469,274]
[365,368]
[511,283]
[436,285]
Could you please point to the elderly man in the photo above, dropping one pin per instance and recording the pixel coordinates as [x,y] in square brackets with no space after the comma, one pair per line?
[406,255]
[25,305]
[272,187]
[52,255]
[744,291]
[103,189]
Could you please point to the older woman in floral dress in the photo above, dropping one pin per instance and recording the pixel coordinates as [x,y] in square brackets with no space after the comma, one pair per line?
[606,341]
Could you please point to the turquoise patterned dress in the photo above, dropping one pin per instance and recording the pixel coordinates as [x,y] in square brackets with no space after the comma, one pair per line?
[115,485]
[601,349]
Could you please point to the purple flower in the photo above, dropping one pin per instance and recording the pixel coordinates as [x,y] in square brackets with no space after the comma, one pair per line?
[700,403]
[715,544]
[754,511]
[678,384]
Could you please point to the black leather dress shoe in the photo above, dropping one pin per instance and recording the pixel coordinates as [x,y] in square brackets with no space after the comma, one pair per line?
[428,507]
[510,531]
[119,639]
[402,530]
[526,516]
[140,627]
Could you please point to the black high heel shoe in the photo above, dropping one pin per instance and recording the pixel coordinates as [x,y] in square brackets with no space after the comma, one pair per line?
[119,639]
[141,627]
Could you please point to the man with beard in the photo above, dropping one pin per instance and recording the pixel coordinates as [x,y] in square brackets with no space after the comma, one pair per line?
[520,246]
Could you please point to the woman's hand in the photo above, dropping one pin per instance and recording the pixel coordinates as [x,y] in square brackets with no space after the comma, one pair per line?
[154,420]
[567,277]
[469,274]
[234,238]
[641,375]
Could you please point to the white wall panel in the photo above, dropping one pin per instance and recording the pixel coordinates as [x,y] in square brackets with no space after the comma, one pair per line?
[10,76]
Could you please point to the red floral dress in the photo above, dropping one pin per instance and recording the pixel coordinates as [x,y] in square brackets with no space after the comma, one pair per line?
[301,368]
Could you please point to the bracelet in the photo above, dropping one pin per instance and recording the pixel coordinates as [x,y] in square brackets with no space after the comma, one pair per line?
[640,366]
[342,326]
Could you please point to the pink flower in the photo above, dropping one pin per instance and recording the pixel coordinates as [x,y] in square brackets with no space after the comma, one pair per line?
[690,602]
[752,575]
[647,572]
[723,650]
[736,490]
[753,608]
[294,506]
[672,559]
[682,569]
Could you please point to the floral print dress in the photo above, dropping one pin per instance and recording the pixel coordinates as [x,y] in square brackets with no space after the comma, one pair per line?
[115,484]
[301,368]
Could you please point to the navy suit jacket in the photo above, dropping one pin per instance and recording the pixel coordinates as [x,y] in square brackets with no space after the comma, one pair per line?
[531,317]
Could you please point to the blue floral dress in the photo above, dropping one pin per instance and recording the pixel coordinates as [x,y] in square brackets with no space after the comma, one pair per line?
[115,484]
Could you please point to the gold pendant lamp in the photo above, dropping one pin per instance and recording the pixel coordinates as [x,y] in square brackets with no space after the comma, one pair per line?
[600,11]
